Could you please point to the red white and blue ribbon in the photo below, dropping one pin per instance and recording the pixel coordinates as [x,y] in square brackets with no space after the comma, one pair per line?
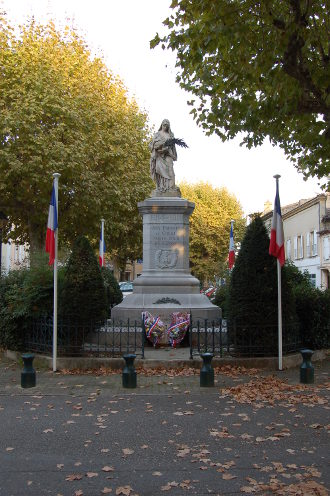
[154,327]
[178,328]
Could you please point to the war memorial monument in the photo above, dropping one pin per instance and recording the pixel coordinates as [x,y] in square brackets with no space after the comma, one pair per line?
[166,284]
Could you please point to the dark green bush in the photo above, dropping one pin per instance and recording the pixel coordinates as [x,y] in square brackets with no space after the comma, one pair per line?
[221,299]
[12,310]
[252,298]
[83,297]
[313,309]
[112,289]
[25,294]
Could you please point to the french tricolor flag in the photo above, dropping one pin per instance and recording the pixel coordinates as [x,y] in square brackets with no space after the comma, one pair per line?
[276,246]
[231,258]
[51,228]
[102,247]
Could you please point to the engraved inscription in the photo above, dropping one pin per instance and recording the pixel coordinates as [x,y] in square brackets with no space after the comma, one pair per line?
[165,218]
[166,259]
[164,235]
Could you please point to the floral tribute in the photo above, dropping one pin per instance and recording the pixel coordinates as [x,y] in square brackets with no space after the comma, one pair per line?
[178,327]
[154,327]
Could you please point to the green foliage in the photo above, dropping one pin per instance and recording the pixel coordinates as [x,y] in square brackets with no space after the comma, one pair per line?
[12,315]
[25,294]
[313,310]
[252,300]
[257,68]
[61,110]
[210,227]
[112,290]
[221,299]
[83,296]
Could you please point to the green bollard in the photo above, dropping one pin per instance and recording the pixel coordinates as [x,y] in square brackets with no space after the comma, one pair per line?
[129,372]
[307,369]
[207,372]
[28,375]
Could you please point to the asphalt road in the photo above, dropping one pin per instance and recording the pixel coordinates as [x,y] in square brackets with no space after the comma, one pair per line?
[84,435]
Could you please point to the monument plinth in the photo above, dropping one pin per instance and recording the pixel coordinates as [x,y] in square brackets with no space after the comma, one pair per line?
[165,285]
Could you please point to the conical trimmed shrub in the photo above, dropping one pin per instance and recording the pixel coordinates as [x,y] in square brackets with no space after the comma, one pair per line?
[83,299]
[253,299]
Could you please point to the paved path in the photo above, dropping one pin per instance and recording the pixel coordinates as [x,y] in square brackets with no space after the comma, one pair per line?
[75,435]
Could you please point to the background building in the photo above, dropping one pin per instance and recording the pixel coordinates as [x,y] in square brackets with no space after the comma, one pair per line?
[307,236]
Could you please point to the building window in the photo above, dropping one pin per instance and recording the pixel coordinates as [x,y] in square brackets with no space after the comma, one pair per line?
[326,248]
[312,279]
[298,247]
[308,244]
[314,246]
[288,249]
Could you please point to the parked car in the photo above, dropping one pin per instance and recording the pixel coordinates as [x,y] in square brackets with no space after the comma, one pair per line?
[126,288]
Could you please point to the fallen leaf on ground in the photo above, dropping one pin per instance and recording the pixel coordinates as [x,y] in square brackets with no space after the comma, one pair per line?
[108,469]
[125,490]
[228,476]
[127,451]
[73,477]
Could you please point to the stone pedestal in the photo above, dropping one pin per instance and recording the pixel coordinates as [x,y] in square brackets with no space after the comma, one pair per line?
[165,285]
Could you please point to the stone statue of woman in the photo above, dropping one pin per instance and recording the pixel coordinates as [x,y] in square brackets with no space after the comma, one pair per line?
[162,157]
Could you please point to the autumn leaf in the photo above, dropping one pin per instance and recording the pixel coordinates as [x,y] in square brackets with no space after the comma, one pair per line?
[73,477]
[108,469]
[106,490]
[92,474]
[125,490]
[228,476]
[127,451]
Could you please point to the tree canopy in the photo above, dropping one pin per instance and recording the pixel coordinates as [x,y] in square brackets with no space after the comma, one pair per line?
[210,227]
[257,68]
[62,110]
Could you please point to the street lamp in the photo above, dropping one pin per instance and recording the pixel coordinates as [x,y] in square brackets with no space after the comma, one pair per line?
[3,222]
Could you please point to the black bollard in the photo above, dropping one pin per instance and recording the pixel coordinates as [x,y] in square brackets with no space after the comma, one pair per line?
[207,372]
[28,375]
[307,369]
[129,372]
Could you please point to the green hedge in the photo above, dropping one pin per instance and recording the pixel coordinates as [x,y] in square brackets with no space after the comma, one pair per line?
[85,294]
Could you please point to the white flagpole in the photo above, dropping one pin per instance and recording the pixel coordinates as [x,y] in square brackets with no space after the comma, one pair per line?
[56,176]
[279,299]
[102,230]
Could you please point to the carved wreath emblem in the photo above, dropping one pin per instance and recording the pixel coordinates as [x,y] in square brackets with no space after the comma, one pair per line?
[166,259]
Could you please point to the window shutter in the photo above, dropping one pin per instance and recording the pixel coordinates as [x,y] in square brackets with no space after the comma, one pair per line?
[295,244]
[308,246]
[326,248]
[314,243]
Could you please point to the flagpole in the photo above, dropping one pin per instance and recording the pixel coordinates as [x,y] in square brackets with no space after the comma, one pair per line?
[279,298]
[56,176]
[102,231]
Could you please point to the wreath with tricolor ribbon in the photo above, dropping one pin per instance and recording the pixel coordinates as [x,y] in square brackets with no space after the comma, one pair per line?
[176,331]
[178,328]
[154,327]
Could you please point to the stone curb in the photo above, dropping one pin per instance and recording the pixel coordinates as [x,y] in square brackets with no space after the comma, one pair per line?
[84,363]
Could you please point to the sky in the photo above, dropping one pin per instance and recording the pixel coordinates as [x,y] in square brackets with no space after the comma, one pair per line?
[120,32]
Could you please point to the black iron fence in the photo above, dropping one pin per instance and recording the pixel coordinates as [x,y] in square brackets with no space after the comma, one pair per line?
[223,338]
[102,339]
[110,339]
